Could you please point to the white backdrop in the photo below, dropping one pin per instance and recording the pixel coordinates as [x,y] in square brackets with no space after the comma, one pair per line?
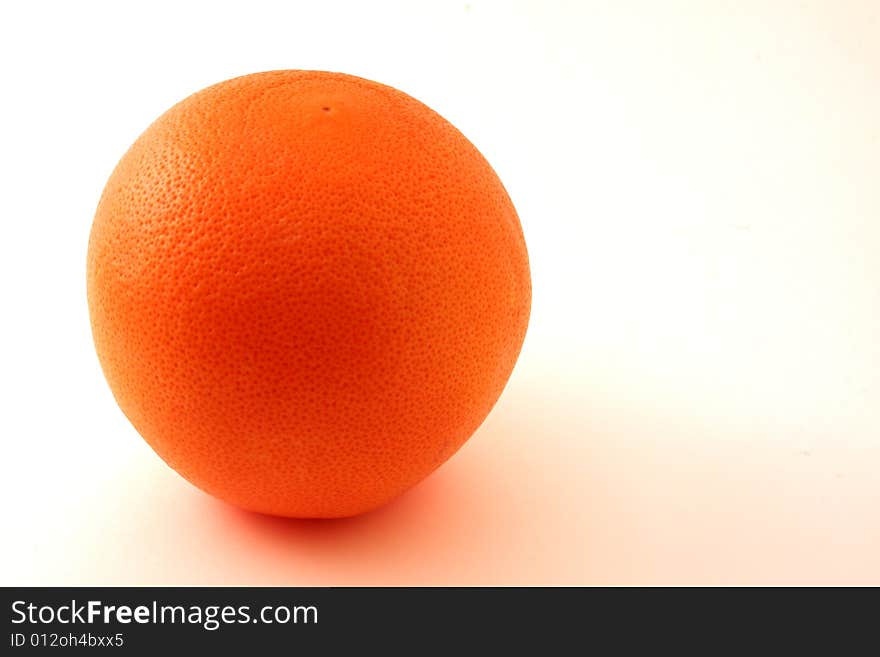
[698,398]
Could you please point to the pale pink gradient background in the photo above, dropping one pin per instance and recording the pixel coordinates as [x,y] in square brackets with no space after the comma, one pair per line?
[547,493]
[698,398]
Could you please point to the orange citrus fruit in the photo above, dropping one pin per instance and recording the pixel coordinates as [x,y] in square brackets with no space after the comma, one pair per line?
[306,290]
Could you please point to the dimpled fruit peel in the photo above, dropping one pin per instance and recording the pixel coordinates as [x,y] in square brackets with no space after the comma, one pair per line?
[307,290]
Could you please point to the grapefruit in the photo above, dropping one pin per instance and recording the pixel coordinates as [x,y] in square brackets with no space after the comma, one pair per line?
[307,290]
